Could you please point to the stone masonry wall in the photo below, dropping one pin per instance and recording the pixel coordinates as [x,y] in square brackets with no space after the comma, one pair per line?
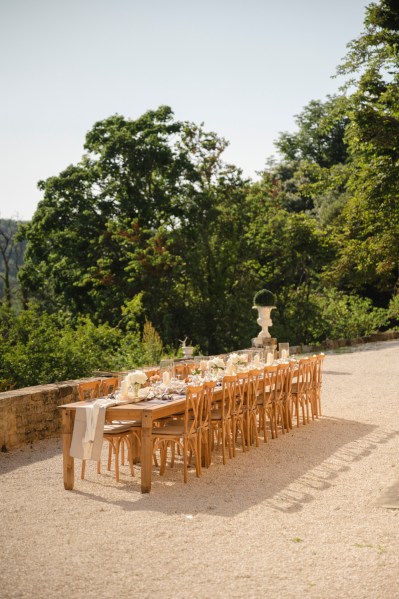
[29,414]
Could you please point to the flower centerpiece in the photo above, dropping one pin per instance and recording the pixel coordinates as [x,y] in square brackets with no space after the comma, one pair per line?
[217,364]
[134,381]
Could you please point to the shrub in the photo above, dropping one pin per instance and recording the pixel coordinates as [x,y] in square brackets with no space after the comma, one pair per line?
[263,298]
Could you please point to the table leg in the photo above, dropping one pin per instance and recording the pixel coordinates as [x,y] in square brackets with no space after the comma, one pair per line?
[67,428]
[146,451]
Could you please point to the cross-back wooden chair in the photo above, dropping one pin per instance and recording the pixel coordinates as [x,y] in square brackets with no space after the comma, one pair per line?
[251,406]
[108,386]
[278,400]
[299,389]
[114,433]
[185,433]
[311,408]
[237,416]
[220,421]
[181,371]
[287,395]
[209,390]
[265,406]
[317,382]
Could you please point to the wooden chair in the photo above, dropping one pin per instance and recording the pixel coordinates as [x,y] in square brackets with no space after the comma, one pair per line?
[237,416]
[317,382]
[114,433]
[181,371]
[220,421]
[287,395]
[265,406]
[278,407]
[251,406]
[311,408]
[299,389]
[186,434]
[209,390]
[108,386]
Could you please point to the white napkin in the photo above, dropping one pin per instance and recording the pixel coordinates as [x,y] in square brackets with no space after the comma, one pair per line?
[87,437]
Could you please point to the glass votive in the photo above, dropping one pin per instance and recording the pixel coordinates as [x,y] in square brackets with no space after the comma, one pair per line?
[284,351]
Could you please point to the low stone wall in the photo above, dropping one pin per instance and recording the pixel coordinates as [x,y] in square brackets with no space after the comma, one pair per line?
[337,343]
[29,414]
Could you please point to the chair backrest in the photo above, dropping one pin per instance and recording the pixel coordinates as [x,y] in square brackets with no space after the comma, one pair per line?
[301,375]
[269,383]
[108,386]
[254,387]
[191,366]
[181,370]
[152,372]
[318,369]
[89,390]
[242,391]
[289,375]
[193,413]
[229,394]
[310,373]
[279,387]
[209,391]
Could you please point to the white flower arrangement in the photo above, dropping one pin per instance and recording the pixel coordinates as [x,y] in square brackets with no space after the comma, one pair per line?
[217,363]
[243,359]
[138,376]
[234,359]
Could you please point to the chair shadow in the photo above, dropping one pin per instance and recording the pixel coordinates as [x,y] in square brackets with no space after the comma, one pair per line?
[285,473]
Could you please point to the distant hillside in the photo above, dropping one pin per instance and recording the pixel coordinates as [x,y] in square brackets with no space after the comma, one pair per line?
[11,259]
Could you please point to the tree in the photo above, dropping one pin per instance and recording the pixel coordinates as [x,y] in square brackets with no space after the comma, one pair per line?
[368,232]
[151,209]
[310,154]
[11,259]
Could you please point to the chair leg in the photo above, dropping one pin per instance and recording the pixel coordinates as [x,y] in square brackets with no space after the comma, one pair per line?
[234,427]
[163,450]
[185,458]
[110,449]
[224,443]
[263,416]
[197,454]
[82,473]
[117,444]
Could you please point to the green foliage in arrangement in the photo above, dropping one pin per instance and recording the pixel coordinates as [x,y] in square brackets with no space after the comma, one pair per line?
[152,237]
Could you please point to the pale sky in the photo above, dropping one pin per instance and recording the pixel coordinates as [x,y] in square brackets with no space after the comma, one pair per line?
[243,67]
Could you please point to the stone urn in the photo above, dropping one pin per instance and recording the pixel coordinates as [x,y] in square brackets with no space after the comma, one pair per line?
[264,321]
[188,351]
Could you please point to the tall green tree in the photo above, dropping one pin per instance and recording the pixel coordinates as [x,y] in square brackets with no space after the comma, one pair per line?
[368,232]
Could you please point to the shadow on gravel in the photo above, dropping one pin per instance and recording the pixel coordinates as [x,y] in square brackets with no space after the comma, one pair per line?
[29,454]
[285,473]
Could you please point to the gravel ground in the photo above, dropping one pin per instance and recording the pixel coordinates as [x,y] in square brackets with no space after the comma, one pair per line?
[295,517]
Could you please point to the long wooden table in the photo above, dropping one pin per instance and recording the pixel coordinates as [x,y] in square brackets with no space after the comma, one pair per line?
[143,411]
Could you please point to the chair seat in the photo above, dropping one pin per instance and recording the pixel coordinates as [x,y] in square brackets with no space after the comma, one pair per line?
[116,429]
[127,422]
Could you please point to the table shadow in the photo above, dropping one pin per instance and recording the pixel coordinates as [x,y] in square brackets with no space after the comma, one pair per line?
[284,474]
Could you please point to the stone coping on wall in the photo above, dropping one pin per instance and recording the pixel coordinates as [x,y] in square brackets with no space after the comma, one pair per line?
[31,413]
